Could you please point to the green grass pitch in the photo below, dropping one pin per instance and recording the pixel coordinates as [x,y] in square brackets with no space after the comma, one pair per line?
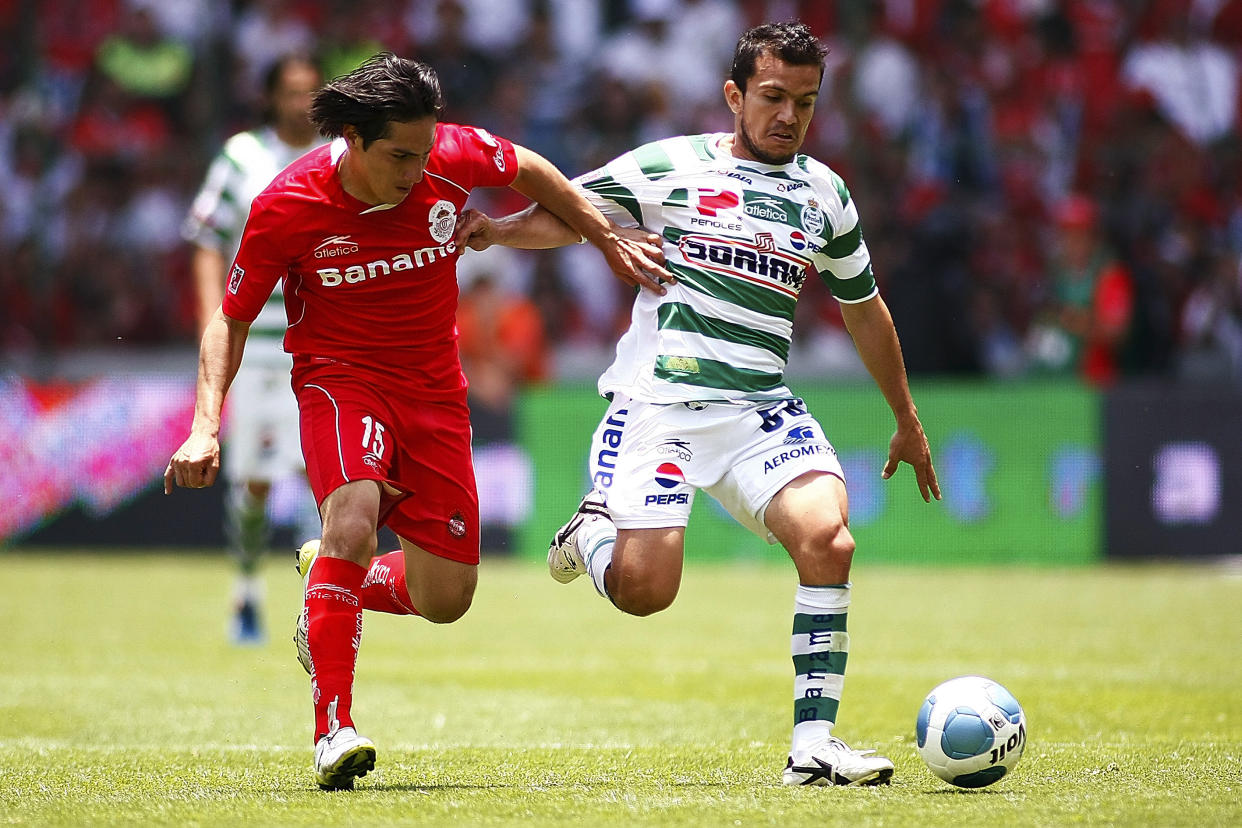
[122,702]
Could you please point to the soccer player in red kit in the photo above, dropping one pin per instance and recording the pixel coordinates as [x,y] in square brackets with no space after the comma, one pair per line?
[361,232]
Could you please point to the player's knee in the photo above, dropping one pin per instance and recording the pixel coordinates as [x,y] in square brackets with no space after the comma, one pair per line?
[447,599]
[448,606]
[831,542]
[349,537]
[643,598]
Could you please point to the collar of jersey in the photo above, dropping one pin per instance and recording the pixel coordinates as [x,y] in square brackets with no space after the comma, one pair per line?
[757,167]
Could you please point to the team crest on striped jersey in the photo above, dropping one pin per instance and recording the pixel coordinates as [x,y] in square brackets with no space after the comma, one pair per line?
[812,218]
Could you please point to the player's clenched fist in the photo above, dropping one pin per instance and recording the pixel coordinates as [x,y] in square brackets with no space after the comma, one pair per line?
[195,464]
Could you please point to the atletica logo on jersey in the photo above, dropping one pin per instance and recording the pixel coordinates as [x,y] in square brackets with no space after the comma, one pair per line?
[678,448]
[771,269]
[767,208]
[669,475]
[442,219]
[334,246]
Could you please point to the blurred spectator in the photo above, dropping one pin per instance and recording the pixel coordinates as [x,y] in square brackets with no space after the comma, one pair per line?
[353,31]
[467,73]
[265,30]
[1193,81]
[143,62]
[1212,325]
[1086,319]
[969,122]
[501,337]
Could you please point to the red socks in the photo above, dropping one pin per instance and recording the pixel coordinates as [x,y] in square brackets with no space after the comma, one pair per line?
[384,589]
[334,630]
[337,592]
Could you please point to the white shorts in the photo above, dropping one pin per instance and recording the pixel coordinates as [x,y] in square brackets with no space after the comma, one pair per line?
[262,430]
[650,459]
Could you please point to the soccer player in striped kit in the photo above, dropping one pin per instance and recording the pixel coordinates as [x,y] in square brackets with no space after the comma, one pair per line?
[697,394]
[361,233]
[262,434]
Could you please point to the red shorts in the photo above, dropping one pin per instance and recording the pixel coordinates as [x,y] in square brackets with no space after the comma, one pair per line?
[358,424]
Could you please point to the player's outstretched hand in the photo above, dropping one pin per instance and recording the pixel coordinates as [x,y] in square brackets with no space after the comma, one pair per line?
[909,445]
[634,255]
[195,465]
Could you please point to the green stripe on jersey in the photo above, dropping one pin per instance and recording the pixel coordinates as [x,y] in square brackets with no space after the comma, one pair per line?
[698,143]
[709,373]
[751,297]
[850,289]
[845,244]
[678,316]
[842,190]
[653,161]
[607,187]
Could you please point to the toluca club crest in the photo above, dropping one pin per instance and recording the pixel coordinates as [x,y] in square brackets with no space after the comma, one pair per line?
[442,219]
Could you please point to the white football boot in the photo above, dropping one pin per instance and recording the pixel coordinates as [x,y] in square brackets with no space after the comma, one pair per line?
[305,557]
[831,762]
[564,558]
[340,757]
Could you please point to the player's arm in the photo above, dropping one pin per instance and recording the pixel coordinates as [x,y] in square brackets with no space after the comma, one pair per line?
[540,181]
[208,266]
[197,462]
[875,337]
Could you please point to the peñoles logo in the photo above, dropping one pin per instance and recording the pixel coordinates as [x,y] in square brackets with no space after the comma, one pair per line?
[746,261]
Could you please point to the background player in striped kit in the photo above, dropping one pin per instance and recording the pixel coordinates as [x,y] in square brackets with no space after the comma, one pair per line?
[697,395]
[262,434]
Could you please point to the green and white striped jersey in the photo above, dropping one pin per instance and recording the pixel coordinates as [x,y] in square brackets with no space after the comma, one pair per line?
[246,164]
[742,237]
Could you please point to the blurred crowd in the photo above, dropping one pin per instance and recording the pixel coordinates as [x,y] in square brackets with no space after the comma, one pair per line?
[1046,186]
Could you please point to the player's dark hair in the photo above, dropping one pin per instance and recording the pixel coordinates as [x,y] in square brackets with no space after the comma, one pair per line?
[791,42]
[385,88]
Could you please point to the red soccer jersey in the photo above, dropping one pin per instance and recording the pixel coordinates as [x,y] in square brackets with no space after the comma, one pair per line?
[369,285]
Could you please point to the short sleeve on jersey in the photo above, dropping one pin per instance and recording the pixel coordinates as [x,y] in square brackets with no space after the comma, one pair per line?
[846,261]
[259,265]
[482,159]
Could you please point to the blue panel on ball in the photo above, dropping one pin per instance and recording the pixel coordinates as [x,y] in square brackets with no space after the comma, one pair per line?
[980,779]
[920,725]
[1003,699]
[965,734]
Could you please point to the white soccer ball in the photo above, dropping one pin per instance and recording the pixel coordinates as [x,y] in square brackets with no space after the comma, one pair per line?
[971,731]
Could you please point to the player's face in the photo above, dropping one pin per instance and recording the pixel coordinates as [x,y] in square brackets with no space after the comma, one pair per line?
[291,99]
[770,120]
[386,171]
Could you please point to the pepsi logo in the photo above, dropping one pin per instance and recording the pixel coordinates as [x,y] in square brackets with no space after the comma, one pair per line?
[669,475]
[797,240]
